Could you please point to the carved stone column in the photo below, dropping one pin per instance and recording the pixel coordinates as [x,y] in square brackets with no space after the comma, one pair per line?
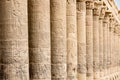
[14,40]
[39,39]
[116,50]
[111,42]
[71,40]
[113,50]
[105,27]
[119,54]
[81,35]
[58,39]
[96,14]
[89,39]
[101,40]
[108,48]
[117,46]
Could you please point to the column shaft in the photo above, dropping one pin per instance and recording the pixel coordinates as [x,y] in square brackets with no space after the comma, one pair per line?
[111,43]
[101,46]
[71,40]
[102,14]
[108,50]
[96,43]
[39,39]
[14,40]
[105,25]
[81,32]
[58,39]
[89,39]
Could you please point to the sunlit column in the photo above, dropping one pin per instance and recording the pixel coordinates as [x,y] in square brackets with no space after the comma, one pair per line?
[96,14]
[58,40]
[71,40]
[14,63]
[81,39]
[101,17]
[89,38]
[39,39]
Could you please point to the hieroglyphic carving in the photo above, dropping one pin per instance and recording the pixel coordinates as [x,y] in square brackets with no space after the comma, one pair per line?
[58,39]
[89,40]
[39,39]
[101,45]
[14,40]
[71,40]
[81,39]
[96,13]
[105,41]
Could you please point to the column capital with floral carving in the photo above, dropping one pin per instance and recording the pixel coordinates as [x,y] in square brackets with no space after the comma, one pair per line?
[89,4]
[102,12]
[97,7]
[106,18]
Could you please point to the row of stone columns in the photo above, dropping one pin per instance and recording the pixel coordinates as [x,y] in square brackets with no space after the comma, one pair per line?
[58,40]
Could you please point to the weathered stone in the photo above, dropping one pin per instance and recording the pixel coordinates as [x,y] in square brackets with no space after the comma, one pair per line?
[101,17]
[81,39]
[14,40]
[58,39]
[105,26]
[71,40]
[39,39]
[89,39]
[96,14]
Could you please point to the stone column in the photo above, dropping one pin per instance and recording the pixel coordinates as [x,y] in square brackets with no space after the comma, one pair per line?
[89,39]
[58,39]
[71,40]
[112,67]
[108,48]
[105,27]
[115,63]
[39,39]
[119,54]
[117,42]
[96,14]
[14,63]
[81,35]
[111,42]
[116,50]
[101,40]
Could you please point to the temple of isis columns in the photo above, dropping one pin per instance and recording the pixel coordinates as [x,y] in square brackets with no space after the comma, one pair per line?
[59,40]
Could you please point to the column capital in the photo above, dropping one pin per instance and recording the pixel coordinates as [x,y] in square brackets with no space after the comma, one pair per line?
[116,29]
[112,19]
[107,13]
[102,12]
[97,8]
[89,4]
[106,18]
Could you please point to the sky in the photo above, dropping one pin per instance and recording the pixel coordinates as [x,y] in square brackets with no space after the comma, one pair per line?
[118,3]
